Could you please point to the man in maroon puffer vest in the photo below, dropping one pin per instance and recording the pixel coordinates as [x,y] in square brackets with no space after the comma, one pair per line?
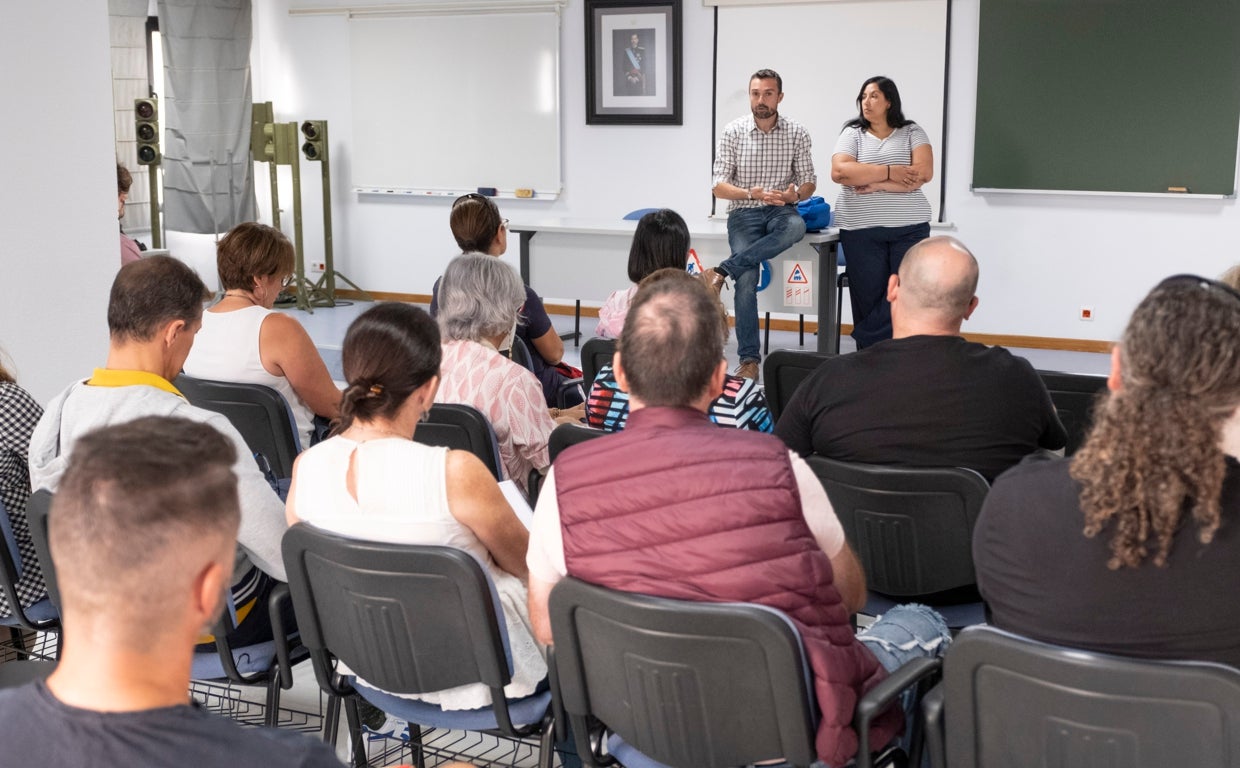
[674,506]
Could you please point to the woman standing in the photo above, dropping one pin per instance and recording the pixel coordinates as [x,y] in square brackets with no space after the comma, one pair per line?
[882,159]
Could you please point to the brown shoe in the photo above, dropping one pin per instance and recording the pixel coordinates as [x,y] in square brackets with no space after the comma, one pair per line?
[714,280]
[748,369]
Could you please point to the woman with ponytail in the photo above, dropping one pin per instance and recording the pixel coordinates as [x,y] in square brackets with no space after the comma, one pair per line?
[1133,545]
[371,481]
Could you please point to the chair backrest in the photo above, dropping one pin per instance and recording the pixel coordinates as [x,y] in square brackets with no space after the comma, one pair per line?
[405,618]
[464,428]
[687,684]
[783,371]
[520,354]
[565,435]
[1074,396]
[258,412]
[595,353]
[640,212]
[1014,702]
[37,509]
[911,528]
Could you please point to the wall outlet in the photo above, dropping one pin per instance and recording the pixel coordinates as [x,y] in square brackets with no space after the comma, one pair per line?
[1087,313]
[318,266]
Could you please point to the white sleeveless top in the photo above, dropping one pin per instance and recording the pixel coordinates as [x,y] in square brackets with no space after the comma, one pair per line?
[402,499]
[226,349]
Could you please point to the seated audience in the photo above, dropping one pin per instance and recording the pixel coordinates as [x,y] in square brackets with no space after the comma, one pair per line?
[118,695]
[131,250]
[18,414]
[1132,546]
[244,340]
[478,298]
[741,404]
[661,241]
[661,509]
[154,310]
[926,397]
[479,228]
[372,481]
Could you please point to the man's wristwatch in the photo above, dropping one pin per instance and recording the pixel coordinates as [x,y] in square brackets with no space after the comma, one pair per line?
[749,193]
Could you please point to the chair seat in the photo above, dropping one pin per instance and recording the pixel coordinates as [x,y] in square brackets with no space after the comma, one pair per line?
[526,711]
[250,660]
[39,612]
[628,756]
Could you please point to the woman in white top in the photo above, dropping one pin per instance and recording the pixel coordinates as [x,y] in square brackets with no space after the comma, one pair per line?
[882,159]
[244,340]
[372,481]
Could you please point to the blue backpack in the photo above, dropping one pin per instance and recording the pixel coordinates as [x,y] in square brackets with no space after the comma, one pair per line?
[816,212]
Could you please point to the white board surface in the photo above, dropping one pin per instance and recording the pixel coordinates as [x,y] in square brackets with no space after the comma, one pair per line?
[823,52]
[455,102]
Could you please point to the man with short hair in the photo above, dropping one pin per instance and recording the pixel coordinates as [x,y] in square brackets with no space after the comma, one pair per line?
[119,693]
[154,310]
[763,168]
[660,509]
[926,397]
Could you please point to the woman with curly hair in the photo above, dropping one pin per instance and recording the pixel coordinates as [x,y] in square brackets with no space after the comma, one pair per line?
[1133,546]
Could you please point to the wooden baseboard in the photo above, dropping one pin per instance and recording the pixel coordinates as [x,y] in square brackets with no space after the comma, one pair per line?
[811,326]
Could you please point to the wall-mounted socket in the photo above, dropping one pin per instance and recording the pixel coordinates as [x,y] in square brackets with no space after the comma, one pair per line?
[1087,313]
[318,266]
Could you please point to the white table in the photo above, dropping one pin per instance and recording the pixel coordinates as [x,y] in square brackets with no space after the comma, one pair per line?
[587,258]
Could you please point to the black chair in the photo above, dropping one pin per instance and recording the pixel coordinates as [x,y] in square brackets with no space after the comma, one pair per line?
[1009,701]
[783,371]
[595,353]
[568,394]
[464,428]
[40,616]
[912,529]
[1074,396]
[263,664]
[561,437]
[406,619]
[259,413]
[691,684]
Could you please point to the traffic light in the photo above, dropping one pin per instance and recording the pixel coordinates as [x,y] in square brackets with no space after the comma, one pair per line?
[146,130]
[315,146]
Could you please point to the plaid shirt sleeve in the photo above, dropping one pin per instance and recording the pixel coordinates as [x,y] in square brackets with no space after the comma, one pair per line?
[802,159]
[725,157]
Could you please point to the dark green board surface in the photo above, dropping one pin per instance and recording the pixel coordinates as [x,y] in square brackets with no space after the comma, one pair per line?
[1108,95]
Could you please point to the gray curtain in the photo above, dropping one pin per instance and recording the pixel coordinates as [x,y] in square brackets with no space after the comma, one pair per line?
[208,176]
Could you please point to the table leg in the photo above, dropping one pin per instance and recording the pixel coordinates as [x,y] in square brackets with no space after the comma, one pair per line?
[828,328]
[525,255]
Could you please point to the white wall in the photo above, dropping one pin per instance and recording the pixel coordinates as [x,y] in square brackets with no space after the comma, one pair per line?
[1043,258]
[58,202]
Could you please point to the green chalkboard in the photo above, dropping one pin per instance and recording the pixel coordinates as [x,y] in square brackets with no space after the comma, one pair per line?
[1108,95]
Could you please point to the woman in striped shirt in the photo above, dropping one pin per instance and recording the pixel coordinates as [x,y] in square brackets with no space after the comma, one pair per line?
[882,159]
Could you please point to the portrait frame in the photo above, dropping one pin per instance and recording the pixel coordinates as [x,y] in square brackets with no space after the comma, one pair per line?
[633,62]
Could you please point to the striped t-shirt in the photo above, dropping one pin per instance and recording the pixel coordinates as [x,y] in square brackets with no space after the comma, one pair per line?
[881,209]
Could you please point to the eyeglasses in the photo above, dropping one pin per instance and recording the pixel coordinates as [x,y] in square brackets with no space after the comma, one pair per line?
[1204,283]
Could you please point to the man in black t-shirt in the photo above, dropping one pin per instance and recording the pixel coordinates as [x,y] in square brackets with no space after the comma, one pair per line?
[926,397]
[146,508]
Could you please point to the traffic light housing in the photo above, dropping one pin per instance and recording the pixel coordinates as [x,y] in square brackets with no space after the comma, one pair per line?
[146,130]
[315,145]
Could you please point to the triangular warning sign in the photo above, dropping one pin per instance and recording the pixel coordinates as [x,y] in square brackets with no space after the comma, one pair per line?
[694,266]
[798,275]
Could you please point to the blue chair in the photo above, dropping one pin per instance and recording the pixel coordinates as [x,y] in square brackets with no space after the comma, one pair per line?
[640,212]
[912,529]
[259,664]
[407,619]
[687,684]
[1006,700]
[40,616]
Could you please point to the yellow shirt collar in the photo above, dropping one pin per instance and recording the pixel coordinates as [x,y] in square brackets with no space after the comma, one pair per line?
[107,377]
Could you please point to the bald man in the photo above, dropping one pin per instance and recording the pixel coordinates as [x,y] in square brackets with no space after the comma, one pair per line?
[925,397]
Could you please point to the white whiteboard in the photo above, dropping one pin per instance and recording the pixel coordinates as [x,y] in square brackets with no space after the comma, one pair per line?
[823,52]
[451,103]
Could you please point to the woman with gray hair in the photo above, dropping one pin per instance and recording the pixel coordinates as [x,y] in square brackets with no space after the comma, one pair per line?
[479,297]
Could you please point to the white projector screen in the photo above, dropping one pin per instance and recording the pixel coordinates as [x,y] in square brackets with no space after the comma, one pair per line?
[451,103]
[823,52]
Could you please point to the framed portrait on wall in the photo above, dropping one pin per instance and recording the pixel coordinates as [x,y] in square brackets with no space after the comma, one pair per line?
[633,62]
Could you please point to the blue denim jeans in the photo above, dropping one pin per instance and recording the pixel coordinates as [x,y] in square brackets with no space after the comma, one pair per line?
[756,235]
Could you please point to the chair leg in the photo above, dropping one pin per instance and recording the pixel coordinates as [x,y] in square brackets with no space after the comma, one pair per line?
[801,330]
[839,313]
[272,715]
[355,733]
[766,344]
[415,745]
[331,720]
[577,325]
[546,744]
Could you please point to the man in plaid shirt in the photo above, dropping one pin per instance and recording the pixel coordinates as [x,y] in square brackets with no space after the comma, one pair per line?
[763,168]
